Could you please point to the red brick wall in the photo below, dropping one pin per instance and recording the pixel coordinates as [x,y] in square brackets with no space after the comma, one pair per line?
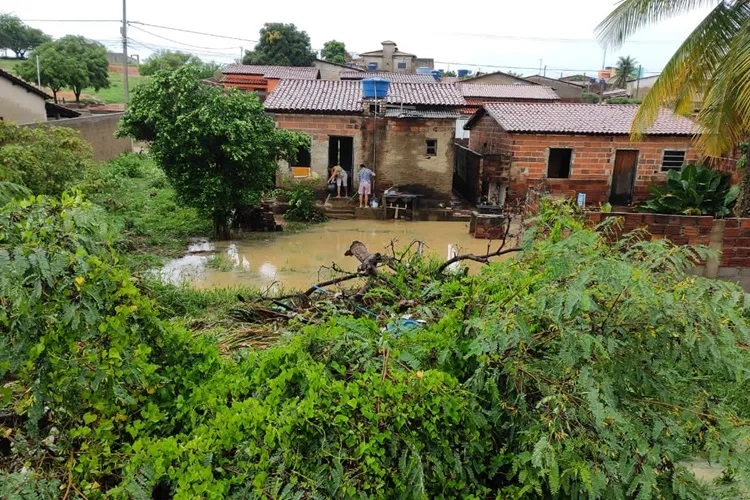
[736,243]
[591,164]
[487,137]
[320,126]
[679,229]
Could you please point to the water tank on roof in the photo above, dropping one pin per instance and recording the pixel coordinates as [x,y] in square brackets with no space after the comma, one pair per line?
[375,88]
[424,71]
[436,74]
[463,73]
[372,66]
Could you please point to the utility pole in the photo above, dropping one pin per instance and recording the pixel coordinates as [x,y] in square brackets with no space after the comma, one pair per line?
[540,67]
[38,74]
[638,83]
[242,54]
[545,71]
[124,31]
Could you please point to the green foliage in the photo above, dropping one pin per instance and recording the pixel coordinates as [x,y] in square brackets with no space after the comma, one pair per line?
[18,37]
[281,45]
[449,73]
[623,100]
[27,486]
[590,97]
[626,69]
[742,208]
[46,160]
[10,191]
[218,148]
[335,52]
[142,210]
[72,61]
[581,369]
[693,190]
[302,203]
[167,60]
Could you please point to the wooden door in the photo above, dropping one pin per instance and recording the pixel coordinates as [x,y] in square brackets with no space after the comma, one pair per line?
[623,176]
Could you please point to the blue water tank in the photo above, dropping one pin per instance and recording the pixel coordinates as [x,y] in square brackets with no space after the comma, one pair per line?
[463,72]
[436,74]
[424,71]
[372,66]
[375,88]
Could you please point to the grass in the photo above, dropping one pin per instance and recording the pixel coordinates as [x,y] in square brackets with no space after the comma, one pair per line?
[114,94]
[9,65]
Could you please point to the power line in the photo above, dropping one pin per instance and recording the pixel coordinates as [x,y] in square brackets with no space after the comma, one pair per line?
[194,32]
[555,39]
[528,67]
[185,44]
[155,47]
[71,20]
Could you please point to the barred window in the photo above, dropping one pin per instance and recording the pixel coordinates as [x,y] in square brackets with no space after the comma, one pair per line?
[672,159]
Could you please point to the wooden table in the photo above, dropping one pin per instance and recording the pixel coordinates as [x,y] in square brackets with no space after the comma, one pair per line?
[393,201]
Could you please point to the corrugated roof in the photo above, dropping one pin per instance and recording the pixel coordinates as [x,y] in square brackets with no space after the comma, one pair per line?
[391,77]
[419,113]
[510,91]
[279,72]
[578,118]
[345,96]
[324,96]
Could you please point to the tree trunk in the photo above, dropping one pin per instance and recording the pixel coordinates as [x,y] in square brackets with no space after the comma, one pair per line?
[54,95]
[221,226]
[77,92]
[368,261]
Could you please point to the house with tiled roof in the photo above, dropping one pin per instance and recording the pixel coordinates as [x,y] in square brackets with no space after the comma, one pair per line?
[478,94]
[571,148]
[21,102]
[406,138]
[568,91]
[263,79]
[497,78]
[386,75]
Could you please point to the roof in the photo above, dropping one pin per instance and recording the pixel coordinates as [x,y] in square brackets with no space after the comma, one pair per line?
[578,118]
[277,72]
[508,91]
[343,66]
[483,75]
[345,96]
[379,53]
[391,77]
[421,113]
[551,82]
[21,83]
[324,96]
[57,110]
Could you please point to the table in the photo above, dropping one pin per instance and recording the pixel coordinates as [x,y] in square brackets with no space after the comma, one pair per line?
[392,201]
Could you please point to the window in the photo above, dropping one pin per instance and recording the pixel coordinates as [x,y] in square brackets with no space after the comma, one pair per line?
[402,65]
[303,158]
[672,159]
[431,147]
[558,165]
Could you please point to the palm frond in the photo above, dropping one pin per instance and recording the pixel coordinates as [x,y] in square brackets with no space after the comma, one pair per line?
[10,191]
[693,68]
[632,15]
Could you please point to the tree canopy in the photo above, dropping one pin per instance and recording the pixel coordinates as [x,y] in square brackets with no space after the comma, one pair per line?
[281,45]
[72,61]
[171,60]
[218,147]
[626,69]
[711,66]
[335,52]
[18,37]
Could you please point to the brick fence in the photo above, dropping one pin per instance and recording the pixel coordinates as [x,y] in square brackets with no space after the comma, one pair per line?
[729,237]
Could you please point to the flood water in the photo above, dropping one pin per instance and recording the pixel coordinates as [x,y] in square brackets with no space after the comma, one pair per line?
[293,261]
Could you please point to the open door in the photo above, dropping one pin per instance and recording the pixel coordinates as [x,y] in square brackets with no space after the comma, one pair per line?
[623,176]
[341,152]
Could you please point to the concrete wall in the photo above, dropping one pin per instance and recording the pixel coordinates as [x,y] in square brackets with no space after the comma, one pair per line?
[498,79]
[19,105]
[591,164]
[99,130]
[729,237]
[401,158]
[328,71]
[567,92]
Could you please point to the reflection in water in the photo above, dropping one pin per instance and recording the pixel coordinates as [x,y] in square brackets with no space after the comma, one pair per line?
[293,261]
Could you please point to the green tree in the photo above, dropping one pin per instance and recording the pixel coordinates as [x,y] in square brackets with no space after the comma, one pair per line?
[711,66]
[335,52]
[72,61]
[46,160]
[166,60]
[281,45]
[18,37]
[626,69]
[54,67]
[218,148]
[449,73]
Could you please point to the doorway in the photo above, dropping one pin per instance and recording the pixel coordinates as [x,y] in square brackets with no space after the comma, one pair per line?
[623,176]
[341,152]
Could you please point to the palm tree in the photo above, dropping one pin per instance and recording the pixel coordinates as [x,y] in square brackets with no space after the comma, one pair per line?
[626,69]
[712,65]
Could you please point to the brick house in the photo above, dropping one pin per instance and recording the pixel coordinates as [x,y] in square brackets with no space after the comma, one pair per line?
[477,94]
[263,79]
[407,140]
[571,148]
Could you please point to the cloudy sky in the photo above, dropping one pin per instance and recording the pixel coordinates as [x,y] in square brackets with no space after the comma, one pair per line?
[521,36]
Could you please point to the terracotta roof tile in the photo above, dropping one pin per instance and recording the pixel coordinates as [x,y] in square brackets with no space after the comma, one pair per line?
[577,118]
[511,91]
[280,72]
[391,77]
[345,96]
[316,95]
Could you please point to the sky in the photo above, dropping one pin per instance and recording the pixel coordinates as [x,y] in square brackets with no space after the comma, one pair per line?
[487,35]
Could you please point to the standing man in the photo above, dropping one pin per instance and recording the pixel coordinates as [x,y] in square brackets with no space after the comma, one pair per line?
[339,174]
[365,185]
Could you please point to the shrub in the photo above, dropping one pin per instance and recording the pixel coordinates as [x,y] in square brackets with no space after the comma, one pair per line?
[693,190]
[302,206]
[47,160]
[590,97]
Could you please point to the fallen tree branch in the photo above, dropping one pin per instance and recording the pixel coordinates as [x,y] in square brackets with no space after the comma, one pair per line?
[334,281]
[484,259]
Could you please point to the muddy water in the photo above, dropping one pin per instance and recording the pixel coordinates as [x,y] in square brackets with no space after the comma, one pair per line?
[293,261]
